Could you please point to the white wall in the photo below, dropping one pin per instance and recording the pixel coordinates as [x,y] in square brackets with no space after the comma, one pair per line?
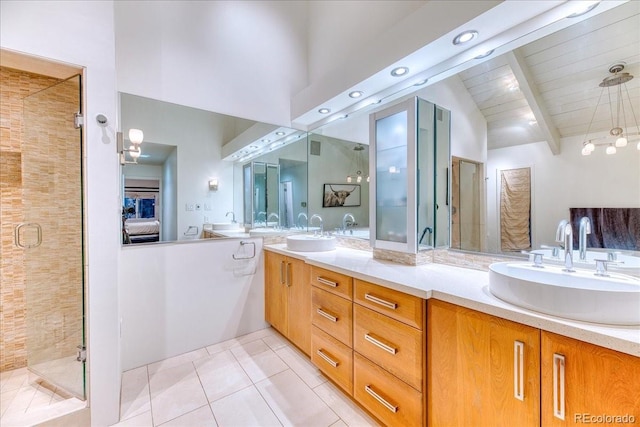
[562,182]
[180,297]
[81,33]
[241,58]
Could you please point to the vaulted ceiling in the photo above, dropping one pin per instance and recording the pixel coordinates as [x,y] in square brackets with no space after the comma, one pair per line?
[548,89]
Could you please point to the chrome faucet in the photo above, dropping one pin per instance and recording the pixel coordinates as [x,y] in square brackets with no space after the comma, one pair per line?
[346,223]
[233,216]
[264,214]
[314,216]
[585,228]
[306,219]
[271,215]
[564,234]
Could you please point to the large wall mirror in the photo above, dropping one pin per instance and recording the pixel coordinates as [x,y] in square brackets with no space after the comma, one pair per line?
[167,195]
[507,161]
[538,102]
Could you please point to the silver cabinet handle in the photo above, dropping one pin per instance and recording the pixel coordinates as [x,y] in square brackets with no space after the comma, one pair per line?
[558,386]
[380,344]
[326,315]
[376,396]
[518,370]
[380,301]
[327,282]
[18,239]
[327,358]
[282,267]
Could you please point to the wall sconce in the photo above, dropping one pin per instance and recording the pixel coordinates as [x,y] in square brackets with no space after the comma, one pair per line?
[135,137]
[213,184]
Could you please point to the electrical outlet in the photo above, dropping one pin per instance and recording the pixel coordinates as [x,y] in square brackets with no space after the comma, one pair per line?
[198,207]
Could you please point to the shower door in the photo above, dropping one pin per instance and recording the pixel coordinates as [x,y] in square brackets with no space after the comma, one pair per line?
[52,236]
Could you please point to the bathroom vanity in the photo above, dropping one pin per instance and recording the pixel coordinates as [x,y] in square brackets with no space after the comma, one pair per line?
[430,345]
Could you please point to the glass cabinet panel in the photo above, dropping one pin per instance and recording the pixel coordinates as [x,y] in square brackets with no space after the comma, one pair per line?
[410,149]
[391,173]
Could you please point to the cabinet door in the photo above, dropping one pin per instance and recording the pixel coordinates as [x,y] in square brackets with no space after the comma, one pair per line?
[481,370]
[299,303]
[275,290]
[586,384]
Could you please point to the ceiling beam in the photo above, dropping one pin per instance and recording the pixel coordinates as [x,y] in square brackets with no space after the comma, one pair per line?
[530,91]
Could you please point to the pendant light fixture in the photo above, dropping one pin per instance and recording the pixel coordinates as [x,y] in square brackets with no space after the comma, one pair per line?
[357,160]
[620,107]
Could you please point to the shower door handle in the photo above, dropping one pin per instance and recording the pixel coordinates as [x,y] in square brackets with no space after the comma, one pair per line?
[18,236]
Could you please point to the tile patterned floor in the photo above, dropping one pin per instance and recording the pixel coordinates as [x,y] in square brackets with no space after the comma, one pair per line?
[24,403]
[259,379]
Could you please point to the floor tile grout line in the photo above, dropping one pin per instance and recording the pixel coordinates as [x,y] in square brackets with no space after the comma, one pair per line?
[303,382]
[146,368]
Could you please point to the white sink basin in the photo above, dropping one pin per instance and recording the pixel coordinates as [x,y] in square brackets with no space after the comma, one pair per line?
[580,295]
[310,243]
[225,226]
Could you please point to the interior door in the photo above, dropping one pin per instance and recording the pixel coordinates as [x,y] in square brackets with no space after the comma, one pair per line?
[52,235]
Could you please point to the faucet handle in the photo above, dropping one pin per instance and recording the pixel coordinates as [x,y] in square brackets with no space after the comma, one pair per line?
[555,250]
[537,258]
[602,264]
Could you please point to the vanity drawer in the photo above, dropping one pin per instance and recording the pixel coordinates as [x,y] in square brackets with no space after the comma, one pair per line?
[332,314]
[333,282]
[333,358]
[396,347]
[406,308]
[385,396]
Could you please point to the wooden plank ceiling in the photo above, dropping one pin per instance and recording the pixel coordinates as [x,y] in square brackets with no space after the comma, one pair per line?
[548,89]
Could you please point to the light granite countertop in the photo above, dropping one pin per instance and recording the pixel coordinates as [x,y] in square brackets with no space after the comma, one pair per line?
[465,287]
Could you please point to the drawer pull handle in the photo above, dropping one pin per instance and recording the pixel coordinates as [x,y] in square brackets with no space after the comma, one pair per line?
[380,301]
[518,370]
[376,396]
[327,358]
[327,282]
[558,386]
[326,315]
[380,344]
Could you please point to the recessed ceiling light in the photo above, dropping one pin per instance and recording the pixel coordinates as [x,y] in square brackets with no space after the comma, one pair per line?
[324,111]
[484,55]
[265,141]
[280,133]
[355,94]
[583,9]
[421,82]
[465,37]
[399,71]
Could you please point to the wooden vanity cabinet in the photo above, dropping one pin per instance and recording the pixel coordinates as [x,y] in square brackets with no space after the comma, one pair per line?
[288,298]
[483,370]
[582,380]
[332,326]
[389,353]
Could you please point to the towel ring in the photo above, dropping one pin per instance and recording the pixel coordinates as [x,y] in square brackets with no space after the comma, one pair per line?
[242,243]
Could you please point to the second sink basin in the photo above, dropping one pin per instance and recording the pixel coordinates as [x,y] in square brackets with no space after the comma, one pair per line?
[580,295]
[310,243]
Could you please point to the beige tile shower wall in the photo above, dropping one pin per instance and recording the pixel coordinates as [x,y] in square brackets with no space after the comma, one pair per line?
[59,265]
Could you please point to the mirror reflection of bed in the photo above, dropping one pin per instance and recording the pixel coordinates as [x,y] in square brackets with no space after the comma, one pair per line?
[140,217]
